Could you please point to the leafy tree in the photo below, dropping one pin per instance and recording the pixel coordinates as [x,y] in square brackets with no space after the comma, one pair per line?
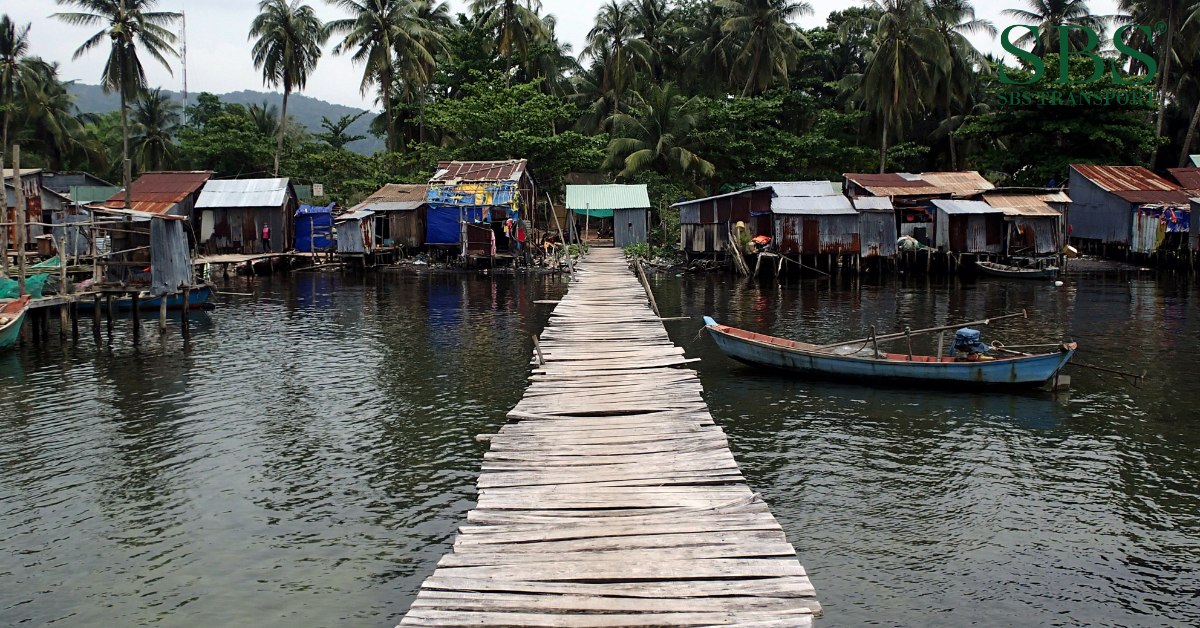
[615,49]
[156,119]
[14,46]
[1034,142]
[288,46]
[126,26]
[206,107]
[494,121]
[229,143]
[335,132]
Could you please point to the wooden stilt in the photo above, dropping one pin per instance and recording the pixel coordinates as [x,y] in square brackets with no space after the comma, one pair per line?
[162,314]
[137,321]
[183,313]
[96,315]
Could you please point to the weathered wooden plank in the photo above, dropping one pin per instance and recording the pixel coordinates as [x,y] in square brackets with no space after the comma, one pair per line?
[611,498]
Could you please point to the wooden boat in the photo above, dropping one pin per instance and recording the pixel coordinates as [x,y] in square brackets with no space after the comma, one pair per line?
[197,297]
[12,316]
[850,361]
[1016,272]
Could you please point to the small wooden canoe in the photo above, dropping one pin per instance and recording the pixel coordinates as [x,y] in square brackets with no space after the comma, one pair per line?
[1016,272]
[809,359]
[12,316]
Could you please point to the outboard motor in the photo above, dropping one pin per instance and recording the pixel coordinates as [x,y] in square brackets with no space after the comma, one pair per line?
[966,340]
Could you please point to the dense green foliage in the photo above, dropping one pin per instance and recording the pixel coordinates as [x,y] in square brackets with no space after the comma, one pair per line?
[687,96]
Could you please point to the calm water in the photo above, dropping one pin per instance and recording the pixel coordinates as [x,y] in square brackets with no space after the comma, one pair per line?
[305,460]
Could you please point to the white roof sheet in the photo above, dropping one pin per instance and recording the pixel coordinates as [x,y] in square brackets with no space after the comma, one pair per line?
[802,188]
[355,215]
[827,205]
[243,193]
[873,203]
[965,207]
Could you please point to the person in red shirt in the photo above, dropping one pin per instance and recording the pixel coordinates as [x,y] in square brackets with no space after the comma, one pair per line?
[266,238]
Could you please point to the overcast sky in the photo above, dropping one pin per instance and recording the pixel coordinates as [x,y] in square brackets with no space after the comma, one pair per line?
[219,53]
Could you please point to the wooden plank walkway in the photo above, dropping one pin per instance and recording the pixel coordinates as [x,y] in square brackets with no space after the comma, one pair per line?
[611,498]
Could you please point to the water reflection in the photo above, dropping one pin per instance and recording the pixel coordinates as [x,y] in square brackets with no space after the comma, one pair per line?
[306,458]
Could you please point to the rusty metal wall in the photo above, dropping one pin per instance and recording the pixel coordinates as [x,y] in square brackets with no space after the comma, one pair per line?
[878,233]
[815,234]
[1046,232]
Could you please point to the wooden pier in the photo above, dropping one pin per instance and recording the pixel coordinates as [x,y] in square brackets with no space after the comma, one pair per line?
[611,498]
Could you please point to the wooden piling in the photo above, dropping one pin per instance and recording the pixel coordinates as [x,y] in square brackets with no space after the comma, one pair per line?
[96,315]
[183,313]
[137,320]
[611,498]
[162,314]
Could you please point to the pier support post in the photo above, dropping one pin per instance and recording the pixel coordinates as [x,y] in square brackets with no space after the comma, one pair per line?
[137,318]
[183,313]
[110,307]
[162,314]
[62,321]
[96,316]
[74,313]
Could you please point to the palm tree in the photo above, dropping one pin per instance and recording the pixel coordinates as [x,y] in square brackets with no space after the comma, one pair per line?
[376,31]
[900,73]
[288,47]
[954,20]
[516,25]
[767,40]
[658,136]
[265,118]
[650,26]
[335,132]
[127,24]
[1176,45]
[47,118]
[1048,16]
[14,44]
[614,45]
[156,117]
[709,55]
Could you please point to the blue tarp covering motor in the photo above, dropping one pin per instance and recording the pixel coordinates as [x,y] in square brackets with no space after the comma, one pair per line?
[442,222]
[314,228]
[966,340]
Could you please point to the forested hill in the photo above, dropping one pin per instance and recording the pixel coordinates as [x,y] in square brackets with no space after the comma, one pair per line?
[303,109]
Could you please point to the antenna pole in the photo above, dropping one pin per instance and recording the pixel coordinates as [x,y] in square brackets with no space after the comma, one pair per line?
[183,54]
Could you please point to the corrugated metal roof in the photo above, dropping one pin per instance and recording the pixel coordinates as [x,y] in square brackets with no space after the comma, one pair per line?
[955,206]
[873,203]
[967,183]
[1188,178]
[25,172]
[395,197]
[825,205]
[354,215]
[607,197]
[715,197]
[1133,184]
[802,188]
[509,170]
[893,184]
[243,193]
[1020,204]
[157,192]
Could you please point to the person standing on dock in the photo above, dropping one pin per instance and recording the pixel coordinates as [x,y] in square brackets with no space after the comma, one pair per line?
[266,238]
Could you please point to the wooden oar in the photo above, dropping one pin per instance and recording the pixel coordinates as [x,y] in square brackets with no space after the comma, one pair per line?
[906,334]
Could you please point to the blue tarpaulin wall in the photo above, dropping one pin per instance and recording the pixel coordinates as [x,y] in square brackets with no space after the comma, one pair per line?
[314,228]
[442,222]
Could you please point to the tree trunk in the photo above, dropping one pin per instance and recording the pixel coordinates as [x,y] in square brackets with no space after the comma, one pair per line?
[949,115]
[753,71]
[287,90]
[1166,72]
[1189,138]
[883,148]
[385,84]
[125,169]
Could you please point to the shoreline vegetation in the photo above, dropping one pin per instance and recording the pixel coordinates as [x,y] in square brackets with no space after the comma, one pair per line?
[690,97]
